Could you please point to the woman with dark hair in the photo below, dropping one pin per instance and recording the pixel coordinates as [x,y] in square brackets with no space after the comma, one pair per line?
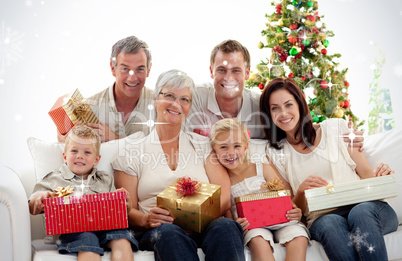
[316,157]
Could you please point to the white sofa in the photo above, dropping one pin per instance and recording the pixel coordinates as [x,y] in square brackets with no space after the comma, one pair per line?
[22,235]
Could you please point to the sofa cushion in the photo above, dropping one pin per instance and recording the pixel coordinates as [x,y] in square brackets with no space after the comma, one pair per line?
[386,147]
[48,156]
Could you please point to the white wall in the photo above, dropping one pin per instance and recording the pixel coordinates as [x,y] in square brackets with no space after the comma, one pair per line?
[50,47]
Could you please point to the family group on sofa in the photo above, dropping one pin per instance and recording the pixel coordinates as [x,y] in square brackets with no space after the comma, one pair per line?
[232,116]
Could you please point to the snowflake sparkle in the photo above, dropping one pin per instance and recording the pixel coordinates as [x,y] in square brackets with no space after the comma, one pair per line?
[10,47]
[359,239]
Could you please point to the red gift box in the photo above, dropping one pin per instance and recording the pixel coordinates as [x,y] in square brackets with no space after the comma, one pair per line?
[264,209]
[71,214]
[206,132]
[69,109]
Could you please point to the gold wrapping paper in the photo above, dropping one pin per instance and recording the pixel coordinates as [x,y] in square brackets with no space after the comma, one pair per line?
[265,195]
[192,212]
[78,110]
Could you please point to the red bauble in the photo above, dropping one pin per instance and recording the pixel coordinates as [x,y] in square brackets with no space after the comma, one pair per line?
[292,39]
[346,84]
[291,75]
[303,78]
[311,18]
[347,104]
[261,86]
[283,57]
[293,26]
[323,84]
[342,104]
[324,51]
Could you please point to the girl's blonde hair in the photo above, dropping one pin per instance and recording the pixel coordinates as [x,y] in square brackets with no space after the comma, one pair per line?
[227,125]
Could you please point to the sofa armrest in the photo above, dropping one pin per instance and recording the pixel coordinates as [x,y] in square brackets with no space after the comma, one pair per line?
[15,227]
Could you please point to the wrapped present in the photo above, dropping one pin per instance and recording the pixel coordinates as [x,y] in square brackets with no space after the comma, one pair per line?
[191,211]
[264,209]
[70,109]
[206,132]
[71,214]
[351,193]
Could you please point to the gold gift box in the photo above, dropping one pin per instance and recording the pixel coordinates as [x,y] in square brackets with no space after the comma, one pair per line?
[192,212]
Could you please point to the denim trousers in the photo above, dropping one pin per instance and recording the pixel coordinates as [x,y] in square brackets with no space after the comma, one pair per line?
[222,239]
[357,233]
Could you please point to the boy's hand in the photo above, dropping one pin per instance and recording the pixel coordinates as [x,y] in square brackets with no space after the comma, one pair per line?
[129,203]
[36,203]
[244,224]
[295,213]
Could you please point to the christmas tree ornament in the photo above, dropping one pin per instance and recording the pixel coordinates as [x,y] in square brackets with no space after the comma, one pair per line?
[293,26]
[347,104]
[324,84]
[293,52]
[261,86]
[279,30]
[312,113]
[280,22]
[341,104]
[303,78]
[294,2]
[311,18]
[292,39]
[326,43]
[322,118]
[337,112]
[324,51]
[314,100]
[310,3]
[316,119]
[306,42]
[346,84]
[260,45]
[291,75]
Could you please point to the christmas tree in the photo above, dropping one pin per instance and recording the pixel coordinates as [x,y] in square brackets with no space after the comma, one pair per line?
[298,41]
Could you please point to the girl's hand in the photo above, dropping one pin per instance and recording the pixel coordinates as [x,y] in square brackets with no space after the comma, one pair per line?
[158,216]
[382,169]
[312,181]
[244,224]
[129,203]
[295,213]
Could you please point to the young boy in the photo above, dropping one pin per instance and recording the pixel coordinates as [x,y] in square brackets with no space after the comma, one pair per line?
[81,155]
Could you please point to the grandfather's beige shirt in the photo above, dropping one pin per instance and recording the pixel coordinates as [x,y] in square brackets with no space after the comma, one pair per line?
[97,182]
[104,107]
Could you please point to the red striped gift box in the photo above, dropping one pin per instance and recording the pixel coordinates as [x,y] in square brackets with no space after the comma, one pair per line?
[71,214]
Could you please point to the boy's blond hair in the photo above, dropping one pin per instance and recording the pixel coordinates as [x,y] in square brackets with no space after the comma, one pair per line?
[227,125]
[83,132]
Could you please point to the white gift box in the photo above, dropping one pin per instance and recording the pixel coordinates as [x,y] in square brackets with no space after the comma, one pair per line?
[351,193]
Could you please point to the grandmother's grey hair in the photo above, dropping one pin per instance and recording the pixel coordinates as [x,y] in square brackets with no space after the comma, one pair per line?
[173,79]
[130,45]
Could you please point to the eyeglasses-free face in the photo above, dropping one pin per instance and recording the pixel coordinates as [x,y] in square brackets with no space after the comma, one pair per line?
[171,97]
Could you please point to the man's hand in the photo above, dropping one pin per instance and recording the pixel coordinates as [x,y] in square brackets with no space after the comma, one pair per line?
[105,133]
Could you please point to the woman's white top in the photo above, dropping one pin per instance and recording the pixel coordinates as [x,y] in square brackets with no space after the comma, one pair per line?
[329,160]
[145,159]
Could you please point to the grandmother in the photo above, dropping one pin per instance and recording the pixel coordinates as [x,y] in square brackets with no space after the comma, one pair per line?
[154,162]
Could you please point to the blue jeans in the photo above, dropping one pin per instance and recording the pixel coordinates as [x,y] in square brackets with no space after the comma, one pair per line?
[357,233]
[222,239]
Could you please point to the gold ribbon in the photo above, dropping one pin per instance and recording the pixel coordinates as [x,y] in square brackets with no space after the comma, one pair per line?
[80,109]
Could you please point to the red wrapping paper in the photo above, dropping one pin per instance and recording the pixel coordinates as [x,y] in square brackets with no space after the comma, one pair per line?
[264,209]
[71,214]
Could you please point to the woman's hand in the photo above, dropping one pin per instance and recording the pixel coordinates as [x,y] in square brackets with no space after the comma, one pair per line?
[244,224]
[312,181]
[382,169]
[295,213]
[158,216]
[129,202]
[36,203]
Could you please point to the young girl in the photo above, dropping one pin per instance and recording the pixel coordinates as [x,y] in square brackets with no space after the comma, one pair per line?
[229,141]
[312,158]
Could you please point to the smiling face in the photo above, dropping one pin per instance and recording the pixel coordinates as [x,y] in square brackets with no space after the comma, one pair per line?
[229,73]
[81,156]
[131,72]
[172,112]
[230,149]
[284,110]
